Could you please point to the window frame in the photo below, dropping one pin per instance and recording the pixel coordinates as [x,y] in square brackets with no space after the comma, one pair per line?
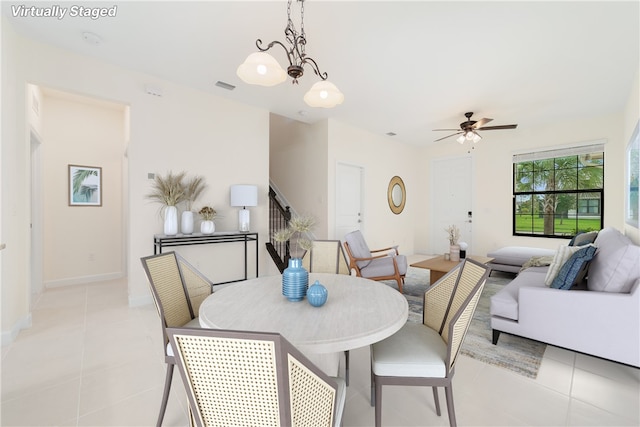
[533,193]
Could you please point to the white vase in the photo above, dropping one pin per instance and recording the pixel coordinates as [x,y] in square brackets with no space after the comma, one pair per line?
[207,227]
[186,225]
[170,220]
[454,253]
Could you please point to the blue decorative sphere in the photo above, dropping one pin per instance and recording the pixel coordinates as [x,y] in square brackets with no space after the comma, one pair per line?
[317,294]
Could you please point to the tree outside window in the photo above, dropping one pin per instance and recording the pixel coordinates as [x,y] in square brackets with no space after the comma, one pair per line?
[558,196]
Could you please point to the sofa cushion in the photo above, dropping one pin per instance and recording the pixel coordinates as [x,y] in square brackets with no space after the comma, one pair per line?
[615,267]
[517,255]
[505,302]
[582,239]
[562,255]
[573,271]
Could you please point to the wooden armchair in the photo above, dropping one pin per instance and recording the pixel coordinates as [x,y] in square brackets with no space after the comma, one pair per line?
[375,264]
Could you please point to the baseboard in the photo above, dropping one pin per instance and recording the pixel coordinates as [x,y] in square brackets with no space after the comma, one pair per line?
[9,336]
[81,280]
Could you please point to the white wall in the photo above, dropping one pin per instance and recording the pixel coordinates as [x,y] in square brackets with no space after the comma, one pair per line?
[297,166]
[382,158]
[15,215]
[82,244]
[224,141]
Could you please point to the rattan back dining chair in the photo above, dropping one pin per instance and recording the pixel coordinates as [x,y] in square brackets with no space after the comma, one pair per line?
[327,256]
[236,378]
[425,354]
[178,289]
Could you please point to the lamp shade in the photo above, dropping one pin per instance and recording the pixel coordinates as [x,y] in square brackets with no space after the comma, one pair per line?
[323,94]
[262,69]
[244,195]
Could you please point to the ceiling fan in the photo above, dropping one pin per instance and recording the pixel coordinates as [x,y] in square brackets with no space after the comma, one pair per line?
[468,130]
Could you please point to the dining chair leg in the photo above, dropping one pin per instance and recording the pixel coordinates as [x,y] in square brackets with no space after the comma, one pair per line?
[378,408]
[165,396]
[436,399]
[452,414]
[346,367]
[373,389]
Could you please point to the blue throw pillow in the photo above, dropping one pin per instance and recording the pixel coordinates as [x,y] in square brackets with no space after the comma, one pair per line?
[572,269]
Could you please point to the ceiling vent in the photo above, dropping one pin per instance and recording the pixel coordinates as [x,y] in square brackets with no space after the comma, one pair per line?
[224,85]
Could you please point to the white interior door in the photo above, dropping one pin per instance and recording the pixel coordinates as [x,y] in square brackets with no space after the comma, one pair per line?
[349,216]
[451,202]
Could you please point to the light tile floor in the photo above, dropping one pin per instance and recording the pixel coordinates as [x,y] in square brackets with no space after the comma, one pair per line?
[90,360]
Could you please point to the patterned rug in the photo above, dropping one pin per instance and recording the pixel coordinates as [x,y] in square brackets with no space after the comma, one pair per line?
[520,355]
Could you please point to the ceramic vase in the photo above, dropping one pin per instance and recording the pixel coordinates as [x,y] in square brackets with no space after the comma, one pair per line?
[170,220]
[454,253]
[317,294]
[295,280]
[186,225]
[207,227]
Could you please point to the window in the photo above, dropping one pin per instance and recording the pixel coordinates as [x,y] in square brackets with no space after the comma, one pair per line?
[558,193]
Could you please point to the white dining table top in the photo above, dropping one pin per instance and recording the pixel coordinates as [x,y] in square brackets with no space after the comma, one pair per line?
[358,312]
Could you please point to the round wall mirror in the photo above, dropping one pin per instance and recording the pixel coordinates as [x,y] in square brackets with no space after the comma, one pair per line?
[396,195]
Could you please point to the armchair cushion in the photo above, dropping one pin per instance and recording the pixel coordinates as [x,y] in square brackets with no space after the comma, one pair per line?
[384,267]
[358,247]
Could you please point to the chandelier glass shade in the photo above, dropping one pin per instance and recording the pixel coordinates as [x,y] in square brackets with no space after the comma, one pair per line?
[469,136]
[260,68]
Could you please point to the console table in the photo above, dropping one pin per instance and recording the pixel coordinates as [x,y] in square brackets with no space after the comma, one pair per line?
[163,241]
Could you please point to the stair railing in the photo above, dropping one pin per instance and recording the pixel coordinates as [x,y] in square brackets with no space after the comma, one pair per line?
[279,217]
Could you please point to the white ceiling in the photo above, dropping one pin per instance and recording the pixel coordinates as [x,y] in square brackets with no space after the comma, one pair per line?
[404,66]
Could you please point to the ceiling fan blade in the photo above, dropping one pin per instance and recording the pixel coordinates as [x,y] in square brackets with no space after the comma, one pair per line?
[481,123]
[499,127]
[445,137]
[450,130]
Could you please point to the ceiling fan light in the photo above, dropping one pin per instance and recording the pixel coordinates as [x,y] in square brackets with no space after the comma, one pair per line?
[262,69]
[461,139]
[476,137]
[323,94]
[469,136]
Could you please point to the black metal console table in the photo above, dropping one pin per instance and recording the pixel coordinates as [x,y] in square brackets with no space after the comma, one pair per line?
[163,241]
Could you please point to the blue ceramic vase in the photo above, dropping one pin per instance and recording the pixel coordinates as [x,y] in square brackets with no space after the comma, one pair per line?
[317,294]
[295,280]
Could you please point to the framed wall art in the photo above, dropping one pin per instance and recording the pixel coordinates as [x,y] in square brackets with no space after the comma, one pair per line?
[632,202]
[85,185]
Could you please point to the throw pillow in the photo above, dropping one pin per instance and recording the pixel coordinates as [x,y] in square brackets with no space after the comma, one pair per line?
[574,268]
[582,239]
[562,255]
[616,267]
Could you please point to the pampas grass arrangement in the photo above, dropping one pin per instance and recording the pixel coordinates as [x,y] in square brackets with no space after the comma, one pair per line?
[295,233]
[168,190]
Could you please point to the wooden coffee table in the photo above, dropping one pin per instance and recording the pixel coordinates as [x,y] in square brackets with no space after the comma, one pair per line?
[439,267]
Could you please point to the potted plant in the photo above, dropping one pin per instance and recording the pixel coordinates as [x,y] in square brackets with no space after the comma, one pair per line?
[169,191]
[193,188]
[207,226]
[295,278]
[453,234]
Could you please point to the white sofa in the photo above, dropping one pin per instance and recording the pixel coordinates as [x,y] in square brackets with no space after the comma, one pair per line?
[601,319]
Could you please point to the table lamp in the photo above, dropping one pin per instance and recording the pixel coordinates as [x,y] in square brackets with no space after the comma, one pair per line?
[244,195]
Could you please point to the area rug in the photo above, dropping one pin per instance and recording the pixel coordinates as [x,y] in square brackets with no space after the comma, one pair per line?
[520,355]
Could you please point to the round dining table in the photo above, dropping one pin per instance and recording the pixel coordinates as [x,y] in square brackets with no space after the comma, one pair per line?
[358,312]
